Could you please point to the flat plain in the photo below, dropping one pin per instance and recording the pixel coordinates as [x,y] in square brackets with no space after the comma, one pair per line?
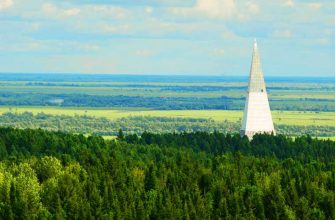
[280,117]
[294,101]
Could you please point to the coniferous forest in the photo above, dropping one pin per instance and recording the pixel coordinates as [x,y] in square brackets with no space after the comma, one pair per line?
[55,175]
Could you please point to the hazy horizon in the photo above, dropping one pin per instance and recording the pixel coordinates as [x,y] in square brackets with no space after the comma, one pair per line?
[173,74]
[148,78]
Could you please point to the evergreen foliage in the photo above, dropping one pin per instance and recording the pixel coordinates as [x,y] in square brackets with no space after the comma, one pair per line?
[55,175]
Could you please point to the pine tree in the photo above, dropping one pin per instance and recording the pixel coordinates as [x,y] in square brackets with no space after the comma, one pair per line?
[120,135]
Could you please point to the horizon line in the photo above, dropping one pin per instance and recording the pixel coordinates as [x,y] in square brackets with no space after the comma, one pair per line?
[166,74]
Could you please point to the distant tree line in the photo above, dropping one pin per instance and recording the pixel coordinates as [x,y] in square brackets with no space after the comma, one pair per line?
[157,102]
[184,88]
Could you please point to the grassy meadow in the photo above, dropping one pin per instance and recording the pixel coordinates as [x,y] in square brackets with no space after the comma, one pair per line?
[280,117]
[294,101]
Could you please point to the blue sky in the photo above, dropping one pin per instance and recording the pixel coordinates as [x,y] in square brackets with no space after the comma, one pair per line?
[199,37]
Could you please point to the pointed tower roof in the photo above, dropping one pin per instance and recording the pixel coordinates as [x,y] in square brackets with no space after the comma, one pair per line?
[257,116]
[256,83]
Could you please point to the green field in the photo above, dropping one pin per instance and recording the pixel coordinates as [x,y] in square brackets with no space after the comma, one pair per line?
[161,104]
[280,117]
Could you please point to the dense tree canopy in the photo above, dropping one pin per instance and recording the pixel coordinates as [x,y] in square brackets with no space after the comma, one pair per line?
[55,175]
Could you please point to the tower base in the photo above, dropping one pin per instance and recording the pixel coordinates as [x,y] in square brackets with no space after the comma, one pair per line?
[250,134]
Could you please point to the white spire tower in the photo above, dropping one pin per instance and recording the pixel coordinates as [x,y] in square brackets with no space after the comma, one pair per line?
[257,115]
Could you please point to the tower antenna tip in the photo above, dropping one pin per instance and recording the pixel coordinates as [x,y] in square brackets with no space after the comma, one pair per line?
[255,42]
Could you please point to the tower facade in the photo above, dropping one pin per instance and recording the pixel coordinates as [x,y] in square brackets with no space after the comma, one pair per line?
[257,115]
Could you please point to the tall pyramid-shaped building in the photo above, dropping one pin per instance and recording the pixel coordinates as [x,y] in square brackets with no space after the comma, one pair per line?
[257,115]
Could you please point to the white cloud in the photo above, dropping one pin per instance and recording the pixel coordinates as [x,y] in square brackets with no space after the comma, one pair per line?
[210,8]
[216,8]
[228,35]
[49,8]
[80,64]
[116,29]
[112,11]
[144,52]
[314,6]
[5,4]
[149,10]
[282,33]
[35,46]
[71,12]
[89,47]
[219,9]
[35,26]
[218,52]
[323,41]
[309,5]
[52,10]
[157,25]
[252,8]
[329,31]
[289,3]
